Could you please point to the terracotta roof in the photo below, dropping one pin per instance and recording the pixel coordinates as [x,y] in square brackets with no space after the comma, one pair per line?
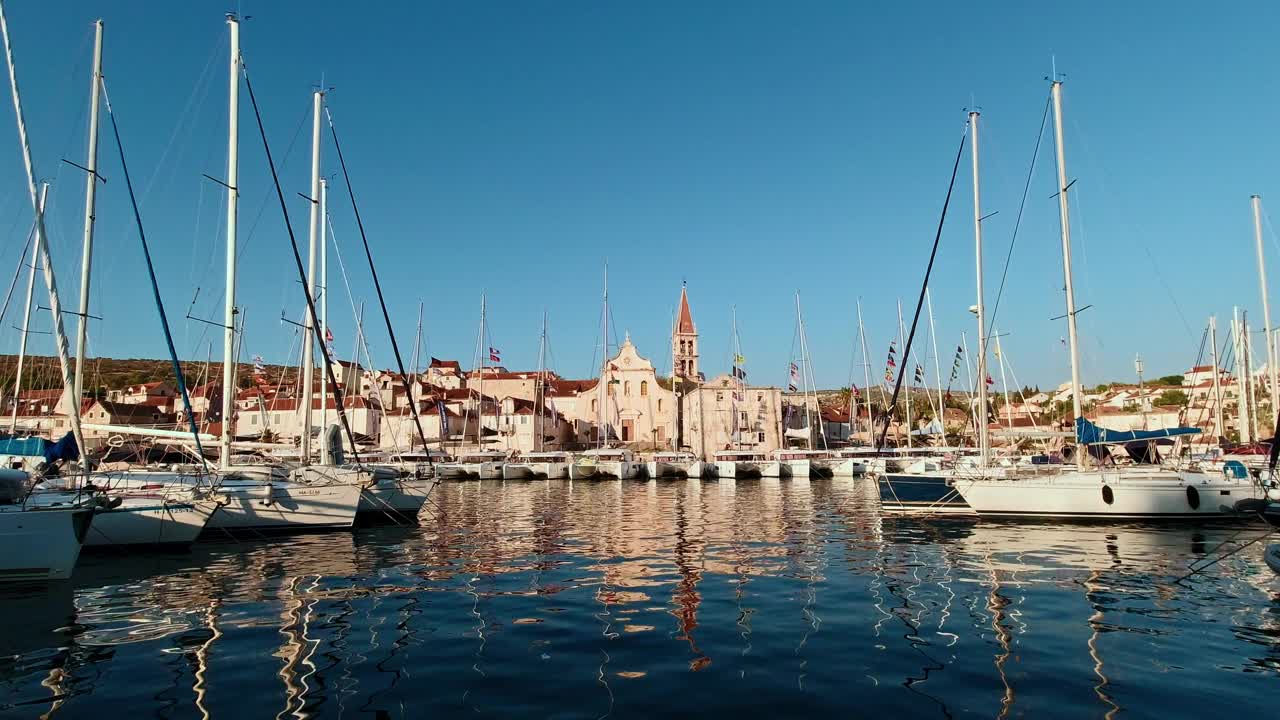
[350,402]
[40,395]
[566,388]
[445,364]
[684,325]
[1201,368]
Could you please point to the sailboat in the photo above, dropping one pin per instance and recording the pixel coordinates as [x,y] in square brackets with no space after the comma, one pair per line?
[265,498]
[806,461]
[540,463]
[1091,489]
[603,461]
[478,464]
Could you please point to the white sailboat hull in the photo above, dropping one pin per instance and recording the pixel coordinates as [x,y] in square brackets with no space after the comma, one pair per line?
[395,497]
[41,545]
[748,468]
[151,519]
[794,468]
[686,469]
[535,471]
[1135,494]
[284,507]
[470,471]
[847,467]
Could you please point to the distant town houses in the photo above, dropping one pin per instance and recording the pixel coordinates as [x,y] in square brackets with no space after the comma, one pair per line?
[628,403]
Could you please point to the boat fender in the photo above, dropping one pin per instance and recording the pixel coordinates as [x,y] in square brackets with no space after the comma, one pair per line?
[1193,498]
[115,502]
[1108,495]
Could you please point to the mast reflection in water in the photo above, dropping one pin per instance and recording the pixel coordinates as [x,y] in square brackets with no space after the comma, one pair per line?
[630,599]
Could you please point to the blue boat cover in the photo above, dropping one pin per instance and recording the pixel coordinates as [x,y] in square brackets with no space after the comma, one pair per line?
[33,446]
[64,449]
[1089,434]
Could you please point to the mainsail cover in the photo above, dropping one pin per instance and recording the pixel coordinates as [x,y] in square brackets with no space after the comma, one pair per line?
[1089,434]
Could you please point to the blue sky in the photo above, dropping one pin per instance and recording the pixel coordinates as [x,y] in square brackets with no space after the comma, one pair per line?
[752,149]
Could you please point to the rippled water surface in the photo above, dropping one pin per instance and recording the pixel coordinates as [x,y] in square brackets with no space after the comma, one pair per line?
[638,600]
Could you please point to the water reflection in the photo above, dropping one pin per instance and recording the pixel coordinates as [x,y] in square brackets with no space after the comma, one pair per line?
[634,599]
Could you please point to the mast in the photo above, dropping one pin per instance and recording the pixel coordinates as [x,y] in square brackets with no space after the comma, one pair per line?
[308,356]
[735,442]
[484,353]
[866,371]
[1064,213]
[233,201]
[1242,376]
[1218,428]
[937,367]
[90,208]
[1266,305]
[808,418]
[984,439]
[601,393]
[26,322]
[42,253]
[905,359]
[1004,381]
[324,316]
[541,394]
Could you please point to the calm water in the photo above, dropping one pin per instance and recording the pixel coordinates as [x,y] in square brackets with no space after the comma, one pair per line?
[634,600]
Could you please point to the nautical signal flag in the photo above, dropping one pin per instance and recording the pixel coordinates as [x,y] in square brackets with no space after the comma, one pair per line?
[854,389]
[990,381]
[495,355]
[739,360]
[919,373]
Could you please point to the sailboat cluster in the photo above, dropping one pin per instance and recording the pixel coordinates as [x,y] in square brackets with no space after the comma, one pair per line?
[54,501]
[442,424]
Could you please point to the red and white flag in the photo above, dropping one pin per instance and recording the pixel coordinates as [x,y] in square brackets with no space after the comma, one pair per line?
[494,355]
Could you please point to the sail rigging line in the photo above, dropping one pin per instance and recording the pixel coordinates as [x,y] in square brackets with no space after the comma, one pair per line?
[155,286]
[377,286]
[17,272]
[933,254]
[338,395]
[1017,223]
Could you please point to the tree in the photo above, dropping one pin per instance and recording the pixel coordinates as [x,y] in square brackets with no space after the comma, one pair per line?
[1168,380]
[1172,397]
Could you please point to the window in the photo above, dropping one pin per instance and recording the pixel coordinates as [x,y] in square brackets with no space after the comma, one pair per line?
[593,406]
[742,419]
[626,388]
[719,397]
[644,388]
[253,419]
[659,433]
[659,404]
[759,397]
[524,419]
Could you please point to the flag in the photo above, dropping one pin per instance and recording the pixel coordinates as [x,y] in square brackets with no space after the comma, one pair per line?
[893,346]
[855,391]
[495,355]
[702,377]
[328,335]
[444,419]
[959,350]
[919,373]
[990,381]
[739,360]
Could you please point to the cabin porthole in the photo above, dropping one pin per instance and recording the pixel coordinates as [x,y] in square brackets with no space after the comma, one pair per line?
[1108,495]
[1193,497]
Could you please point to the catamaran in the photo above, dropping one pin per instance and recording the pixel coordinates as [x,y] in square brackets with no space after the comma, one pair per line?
[674,465]
[545,465]
[605,463]
[746,464]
